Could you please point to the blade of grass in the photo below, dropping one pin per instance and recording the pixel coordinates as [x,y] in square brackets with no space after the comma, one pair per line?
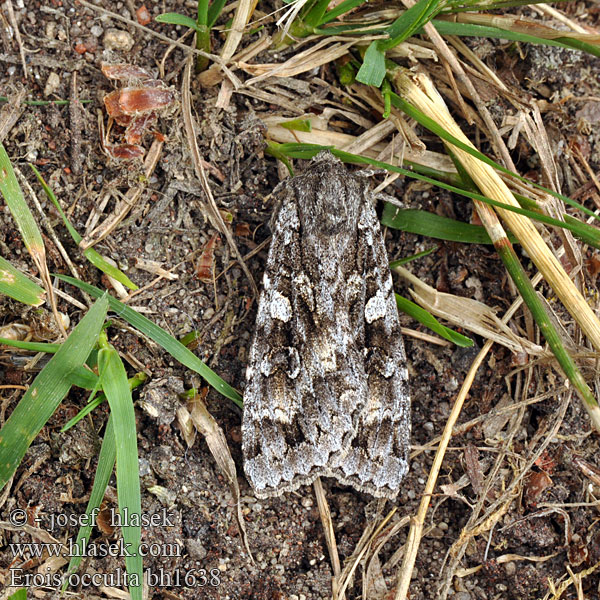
[32,237]
[485,31]
[13,195]
[31,346]
[92,255]
[429,224]
[372,71]
[47,391]
[118,394]
[435,127]
[106,462]
[420,314]
[17,286]
[134,382]
[172,18]
[407,259]
[175,348]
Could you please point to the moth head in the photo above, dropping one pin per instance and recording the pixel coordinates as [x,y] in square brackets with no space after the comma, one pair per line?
[334,205]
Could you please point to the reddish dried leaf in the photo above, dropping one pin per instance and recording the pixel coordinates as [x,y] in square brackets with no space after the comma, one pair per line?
[242,230]
[104,520]
[546,463]
[125,72]
[138,127]
[473,468]
[142,14]
[137,100]
[536,483]
[124,151]
[205,264]
[111,103]
[593,265]
[158,136]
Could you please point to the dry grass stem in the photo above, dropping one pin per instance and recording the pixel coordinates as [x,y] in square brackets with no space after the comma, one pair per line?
[318,55]
[470,314]
[242,16]
[329,533]
[428,158]
[418,521]
[419,91]
[211,208]
[217,444]
[126,203]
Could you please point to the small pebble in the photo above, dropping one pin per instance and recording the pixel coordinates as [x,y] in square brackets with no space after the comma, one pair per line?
[52,84]
[116,39]
[307,502]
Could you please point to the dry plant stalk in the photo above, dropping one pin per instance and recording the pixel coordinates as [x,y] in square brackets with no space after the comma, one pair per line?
[126,203]
[217,444]
[470,314]
[420,92]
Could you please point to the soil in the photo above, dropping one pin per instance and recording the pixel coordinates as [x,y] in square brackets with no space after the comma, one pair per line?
[549,527]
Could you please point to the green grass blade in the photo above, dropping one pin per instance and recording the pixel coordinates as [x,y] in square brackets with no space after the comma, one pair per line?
[134,382]
[430,124]
[411,21]
[47,391]
[297,125]
[340,9]
[176,19]
[13,195]
[213,13]
[429,224]
[485,31]
[118,394]
[85,379]
[420,314]
[548,330]
[407,259]
[372,70]
[31,346]
[17,286]
[106,462]
[92,255]
[175,348]
[314,16]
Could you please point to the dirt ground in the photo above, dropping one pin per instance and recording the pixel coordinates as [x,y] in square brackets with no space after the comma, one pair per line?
[546,529]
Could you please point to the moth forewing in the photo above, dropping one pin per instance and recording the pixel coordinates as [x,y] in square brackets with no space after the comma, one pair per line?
[327,390]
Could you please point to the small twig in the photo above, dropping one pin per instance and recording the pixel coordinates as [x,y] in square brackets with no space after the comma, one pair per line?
[13,21]
[76,122]
[418,522]
[212,210]
[329,532]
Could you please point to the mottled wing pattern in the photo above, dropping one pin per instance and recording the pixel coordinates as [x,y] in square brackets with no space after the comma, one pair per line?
[377,459]
[327,382]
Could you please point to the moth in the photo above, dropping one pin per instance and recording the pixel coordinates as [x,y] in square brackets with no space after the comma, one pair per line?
[327,382]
